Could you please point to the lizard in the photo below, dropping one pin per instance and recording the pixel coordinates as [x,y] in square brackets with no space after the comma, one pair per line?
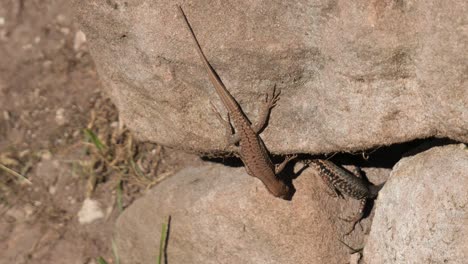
[342,182]
[245,139]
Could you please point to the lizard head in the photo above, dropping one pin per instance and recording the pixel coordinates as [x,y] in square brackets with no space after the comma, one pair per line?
[284,192]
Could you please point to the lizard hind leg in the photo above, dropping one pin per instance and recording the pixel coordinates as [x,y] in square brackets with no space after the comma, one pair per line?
[357,218]
[268,104]
[282,165]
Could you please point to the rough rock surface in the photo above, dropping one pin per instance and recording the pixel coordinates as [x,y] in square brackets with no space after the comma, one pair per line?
[222,215]
[353,74]
[421,215]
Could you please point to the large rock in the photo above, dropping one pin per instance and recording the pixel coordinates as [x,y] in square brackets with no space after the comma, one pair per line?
[422,213]
[354,74]
[222,215]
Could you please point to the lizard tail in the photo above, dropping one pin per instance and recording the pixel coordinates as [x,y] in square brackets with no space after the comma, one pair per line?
[374,189]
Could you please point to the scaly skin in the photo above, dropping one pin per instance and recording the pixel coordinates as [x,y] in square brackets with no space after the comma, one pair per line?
[251,148]
[343,182]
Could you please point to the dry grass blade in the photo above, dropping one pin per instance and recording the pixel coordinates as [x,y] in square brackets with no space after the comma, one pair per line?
[114,155]
[7,160]
[20,177]
[90,183]
[161,177]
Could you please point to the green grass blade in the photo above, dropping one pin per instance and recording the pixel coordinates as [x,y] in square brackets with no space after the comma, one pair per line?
[100,260]
[137,169]
[116,253]
[93,138]
[162,242]
[119,197]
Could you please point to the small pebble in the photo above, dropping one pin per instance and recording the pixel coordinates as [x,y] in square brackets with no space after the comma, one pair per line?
[15,214]
[37,92]
[47,64]
[76,133]
[27,46]
[90,212]
[28,210]
[60,116]
[6,115]
[24,153]
[46,155]
[60,18]
[65,30]
[80,39]
[52,190]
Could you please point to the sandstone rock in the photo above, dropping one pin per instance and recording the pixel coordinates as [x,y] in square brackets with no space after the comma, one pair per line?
[353,74]
[222,215]
[422,212]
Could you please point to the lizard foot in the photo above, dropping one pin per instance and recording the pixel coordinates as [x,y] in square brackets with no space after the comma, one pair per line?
[352,250]
[268,104]
[282,165]
[354,220]
[357,219]
[271,100]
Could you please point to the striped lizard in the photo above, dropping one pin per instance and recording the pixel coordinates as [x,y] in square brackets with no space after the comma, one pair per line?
[342,182]
[248,144]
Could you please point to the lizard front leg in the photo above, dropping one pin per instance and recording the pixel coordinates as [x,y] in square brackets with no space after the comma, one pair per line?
[269,103]
[231,137]
[356,219]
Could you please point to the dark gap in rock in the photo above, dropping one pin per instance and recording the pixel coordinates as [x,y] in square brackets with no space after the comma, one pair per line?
[228,161]
[388,156]
[383,157]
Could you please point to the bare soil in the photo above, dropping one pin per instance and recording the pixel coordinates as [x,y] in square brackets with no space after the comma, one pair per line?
[49,95]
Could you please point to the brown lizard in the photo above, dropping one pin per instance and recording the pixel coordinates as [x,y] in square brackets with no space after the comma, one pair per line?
[341,182]
[251,148]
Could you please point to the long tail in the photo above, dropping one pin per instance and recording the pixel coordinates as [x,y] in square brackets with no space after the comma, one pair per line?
[223,93]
